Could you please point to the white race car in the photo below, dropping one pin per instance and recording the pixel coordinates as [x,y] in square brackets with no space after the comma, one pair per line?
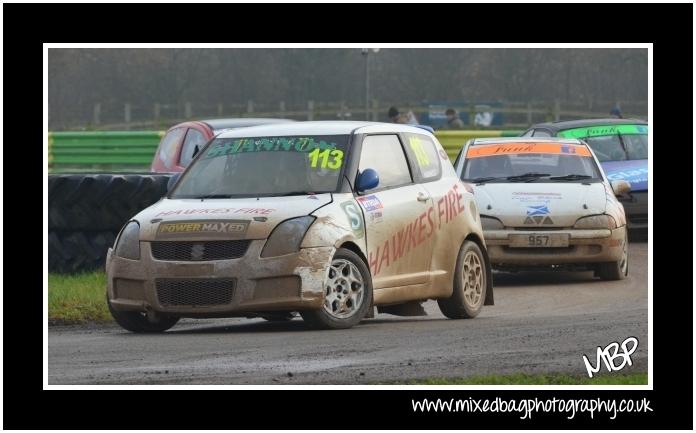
[546,203]
[327,219]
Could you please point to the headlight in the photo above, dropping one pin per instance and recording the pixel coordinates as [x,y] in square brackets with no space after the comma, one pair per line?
[490,223]
[287,237]
[128,243]
[596,222]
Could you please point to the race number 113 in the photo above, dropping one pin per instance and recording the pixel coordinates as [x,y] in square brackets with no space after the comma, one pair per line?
[336,156]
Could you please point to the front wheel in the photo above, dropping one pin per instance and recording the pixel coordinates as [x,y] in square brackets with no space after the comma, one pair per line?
[612,271]
[138,322]
[470,280]
[347,293]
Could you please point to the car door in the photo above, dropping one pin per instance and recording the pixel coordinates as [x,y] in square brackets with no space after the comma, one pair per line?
[398,222]
[428,172]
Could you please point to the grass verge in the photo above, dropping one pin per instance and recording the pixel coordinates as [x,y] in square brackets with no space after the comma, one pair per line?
[78,298]
[539,379]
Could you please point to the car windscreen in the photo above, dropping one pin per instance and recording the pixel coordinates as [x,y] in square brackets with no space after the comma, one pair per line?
[613,142]
[265,166]
[529,162]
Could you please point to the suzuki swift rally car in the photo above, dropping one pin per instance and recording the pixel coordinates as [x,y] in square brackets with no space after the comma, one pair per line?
[327,219]
[546,203]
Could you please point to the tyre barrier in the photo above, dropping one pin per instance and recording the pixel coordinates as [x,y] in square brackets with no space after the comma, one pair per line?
[86,212]
[100,202]
[70,252]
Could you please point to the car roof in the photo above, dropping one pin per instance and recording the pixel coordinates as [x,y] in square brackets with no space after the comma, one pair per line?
[570,124]
[512,140]
[241,122]
[322,127]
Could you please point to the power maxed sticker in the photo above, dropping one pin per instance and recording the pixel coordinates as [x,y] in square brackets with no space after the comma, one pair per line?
[219,228]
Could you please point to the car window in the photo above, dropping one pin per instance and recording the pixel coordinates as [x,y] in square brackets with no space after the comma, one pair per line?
[607,148]
[193,138]
[383,153]
[423,152]
[497,162]
[168,145]
[541,133]
[233,167]
[613,142]
[636,146]
[528,133]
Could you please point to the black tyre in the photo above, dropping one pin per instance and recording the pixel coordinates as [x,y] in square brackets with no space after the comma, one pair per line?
[70,252]
[348,293]
[470,279]
[613,271]
[134,321]
[100,202]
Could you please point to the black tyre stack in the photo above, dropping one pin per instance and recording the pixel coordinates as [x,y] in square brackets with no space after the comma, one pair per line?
[86,212]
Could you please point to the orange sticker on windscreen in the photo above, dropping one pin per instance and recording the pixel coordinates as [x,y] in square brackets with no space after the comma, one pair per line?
[516,148]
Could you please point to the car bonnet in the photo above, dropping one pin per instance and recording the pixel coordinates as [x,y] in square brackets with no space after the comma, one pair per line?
[221,219]
[546,205]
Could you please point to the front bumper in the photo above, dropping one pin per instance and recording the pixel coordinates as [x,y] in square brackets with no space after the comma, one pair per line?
[585,246]
[289,282]
[636,208]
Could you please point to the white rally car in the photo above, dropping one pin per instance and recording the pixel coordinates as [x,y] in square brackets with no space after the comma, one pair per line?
[546,203]
[322,218]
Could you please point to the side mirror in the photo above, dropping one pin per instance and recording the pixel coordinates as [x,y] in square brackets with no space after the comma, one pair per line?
[172,181]
[368,179]
[620,187]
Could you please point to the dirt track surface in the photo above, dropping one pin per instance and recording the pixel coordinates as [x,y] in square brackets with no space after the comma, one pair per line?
[541,323]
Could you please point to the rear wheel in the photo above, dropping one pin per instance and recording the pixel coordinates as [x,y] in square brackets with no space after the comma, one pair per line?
[618,270]
[138,322]
[347,293]
[469,284]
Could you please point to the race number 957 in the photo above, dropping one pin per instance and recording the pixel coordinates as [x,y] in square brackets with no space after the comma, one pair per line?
[538,240]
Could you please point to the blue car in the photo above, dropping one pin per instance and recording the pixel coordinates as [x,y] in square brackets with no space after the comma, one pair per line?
[621,146]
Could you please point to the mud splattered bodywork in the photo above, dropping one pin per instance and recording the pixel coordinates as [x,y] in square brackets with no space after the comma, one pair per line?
[290,281]
[260,284]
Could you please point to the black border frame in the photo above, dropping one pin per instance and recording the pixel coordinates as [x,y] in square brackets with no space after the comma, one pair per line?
[28,406]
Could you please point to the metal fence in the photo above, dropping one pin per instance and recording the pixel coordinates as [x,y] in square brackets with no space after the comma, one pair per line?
[117,116]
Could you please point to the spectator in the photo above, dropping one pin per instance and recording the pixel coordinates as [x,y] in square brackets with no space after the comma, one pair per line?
[406,118]
[453,120]
[616,113]
[394,115]
[411,118]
